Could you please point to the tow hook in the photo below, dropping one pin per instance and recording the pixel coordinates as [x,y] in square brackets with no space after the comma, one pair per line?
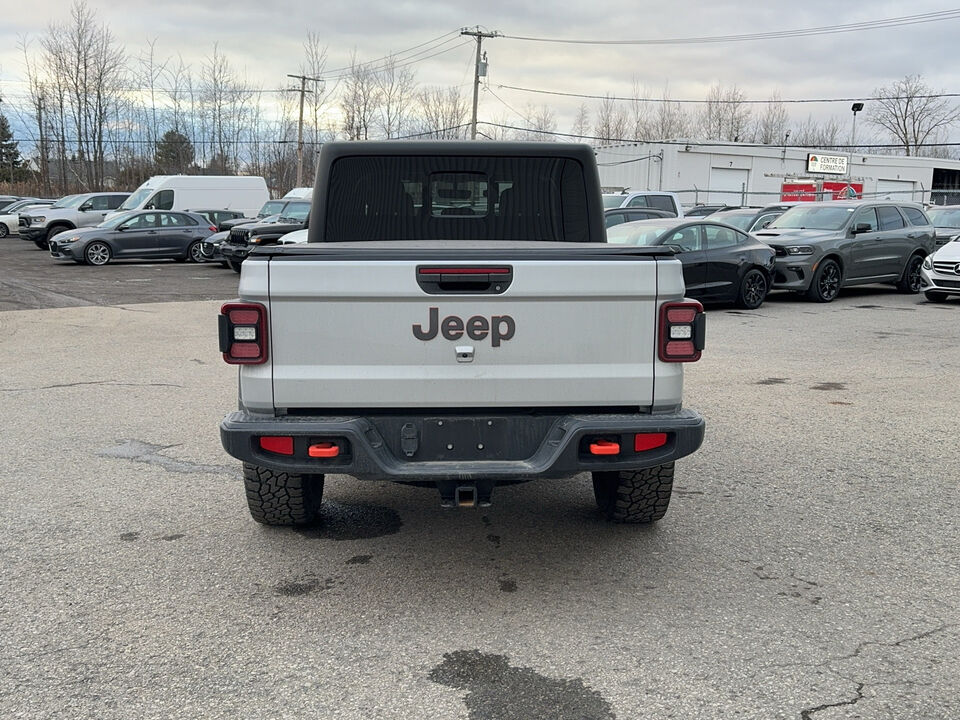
[460,495]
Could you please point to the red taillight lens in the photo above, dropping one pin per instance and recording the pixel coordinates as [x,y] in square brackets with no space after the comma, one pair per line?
[243,333]
[648,441]
[212,228]
[681,332]
[279,444]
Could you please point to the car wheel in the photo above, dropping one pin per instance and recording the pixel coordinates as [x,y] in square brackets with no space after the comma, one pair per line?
[635,496]
[934,296]
[42,244]
[753,289]
[4,230]
[234,265]
[195,252]
[282,498]
[826,282]
[910,282]
[97,253]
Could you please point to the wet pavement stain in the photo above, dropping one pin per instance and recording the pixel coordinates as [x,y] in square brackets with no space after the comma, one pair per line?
[359,560]
[495,539]
[343,521]
[508,585]
[303,587]
[497,691]
[486,521]
[829,386]
[143,452]
[773,381]
[129,536]
[171,538]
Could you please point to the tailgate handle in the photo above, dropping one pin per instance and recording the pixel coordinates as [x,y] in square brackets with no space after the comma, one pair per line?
[463,279]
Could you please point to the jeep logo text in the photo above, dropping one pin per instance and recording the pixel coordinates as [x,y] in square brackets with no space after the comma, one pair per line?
[500,328]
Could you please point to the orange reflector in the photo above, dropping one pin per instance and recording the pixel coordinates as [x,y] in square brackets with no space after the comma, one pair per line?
[324,450]
[649,441]
[279,444]
[604,447]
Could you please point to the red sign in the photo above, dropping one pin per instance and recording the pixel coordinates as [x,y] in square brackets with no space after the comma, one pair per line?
[798,192]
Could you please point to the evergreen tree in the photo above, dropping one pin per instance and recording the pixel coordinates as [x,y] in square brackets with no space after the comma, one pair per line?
[175,152]
[11,164]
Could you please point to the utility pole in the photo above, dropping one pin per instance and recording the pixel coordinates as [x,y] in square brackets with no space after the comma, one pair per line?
[303,91]
[479,35]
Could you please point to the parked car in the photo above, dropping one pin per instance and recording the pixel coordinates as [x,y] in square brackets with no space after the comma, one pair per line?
[146,234]
[68,213]
[720,263]
[705,209]
[179,192]
[243,238]
[218,216]
[825,246]
[10,215]
[946,221]
[299,193]
[269,209]
[622,215]
[747,219]
[940,272]
[7,200]
[656,199]
[210,247]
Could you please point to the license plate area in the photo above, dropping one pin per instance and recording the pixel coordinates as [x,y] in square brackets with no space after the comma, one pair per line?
[468,439]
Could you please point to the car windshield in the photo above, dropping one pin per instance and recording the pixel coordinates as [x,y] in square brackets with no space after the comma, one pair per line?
[70,201]
[137,199]
[271,207]
[945,218]
[116,220]
[643,232]
[612,201]
[813,218]
[738,221]
[297,211]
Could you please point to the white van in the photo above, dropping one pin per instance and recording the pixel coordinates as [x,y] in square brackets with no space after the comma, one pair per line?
[199,192]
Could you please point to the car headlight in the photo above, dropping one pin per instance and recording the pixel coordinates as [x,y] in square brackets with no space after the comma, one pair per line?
[799,250]
[255,240]
[38,219]
[69,239]
[927,263]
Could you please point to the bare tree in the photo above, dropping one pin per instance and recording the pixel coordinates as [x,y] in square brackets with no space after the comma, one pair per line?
[912,112]
[725,116]
[640,112]
[395,87]
[581,122]
[612,121]
[443,113]
[772,124]
[360,100]
[815,133]
[669,121]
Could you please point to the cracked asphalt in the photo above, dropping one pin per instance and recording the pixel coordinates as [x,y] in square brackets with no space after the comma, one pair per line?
[807,567]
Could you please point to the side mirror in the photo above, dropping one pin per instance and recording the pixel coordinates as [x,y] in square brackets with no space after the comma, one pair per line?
[764,224]
[676,248]
[121,228]
[86,206]
[862,228]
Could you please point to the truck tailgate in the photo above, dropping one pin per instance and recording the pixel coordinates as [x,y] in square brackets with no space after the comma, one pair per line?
[569,330]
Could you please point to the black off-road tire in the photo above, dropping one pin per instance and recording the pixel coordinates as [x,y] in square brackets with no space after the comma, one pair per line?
[826,282]
[280,498]
[234,265]
[753,289]
[909,282]
[934,296]
[42,244]
[635,496]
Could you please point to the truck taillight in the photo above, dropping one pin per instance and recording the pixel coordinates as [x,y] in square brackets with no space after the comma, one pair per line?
[243,333]
[682,331]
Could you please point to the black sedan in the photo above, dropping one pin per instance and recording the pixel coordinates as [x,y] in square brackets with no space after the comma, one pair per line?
[720,263]
[615,216]
[141,234]
[748,219]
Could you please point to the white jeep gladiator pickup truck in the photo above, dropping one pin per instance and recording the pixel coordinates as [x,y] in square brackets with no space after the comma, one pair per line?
[456,319]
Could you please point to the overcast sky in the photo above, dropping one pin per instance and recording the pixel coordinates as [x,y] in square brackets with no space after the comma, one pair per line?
[265,41]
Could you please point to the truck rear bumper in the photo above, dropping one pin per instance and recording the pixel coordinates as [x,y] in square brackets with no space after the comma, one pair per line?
[462,446]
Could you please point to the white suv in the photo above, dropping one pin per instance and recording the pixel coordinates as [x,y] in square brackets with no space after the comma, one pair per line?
[657,199]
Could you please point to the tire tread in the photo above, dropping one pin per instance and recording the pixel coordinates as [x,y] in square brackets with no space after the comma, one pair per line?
[635,496]
[281,498]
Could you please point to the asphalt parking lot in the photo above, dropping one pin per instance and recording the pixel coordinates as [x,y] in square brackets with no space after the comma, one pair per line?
[807,567]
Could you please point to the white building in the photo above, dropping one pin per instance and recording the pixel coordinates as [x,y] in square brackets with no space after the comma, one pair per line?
[745,174]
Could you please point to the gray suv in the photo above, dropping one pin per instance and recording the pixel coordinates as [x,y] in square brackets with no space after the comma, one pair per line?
[68,213]
[824,246]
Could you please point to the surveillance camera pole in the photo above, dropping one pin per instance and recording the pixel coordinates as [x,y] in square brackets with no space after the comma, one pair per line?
[479,35]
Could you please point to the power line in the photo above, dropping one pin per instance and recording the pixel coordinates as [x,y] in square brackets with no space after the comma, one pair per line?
[395,54]
[772,35]
[728,102]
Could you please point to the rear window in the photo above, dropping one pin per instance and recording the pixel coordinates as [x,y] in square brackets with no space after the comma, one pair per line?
[456,198]
[916,216]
